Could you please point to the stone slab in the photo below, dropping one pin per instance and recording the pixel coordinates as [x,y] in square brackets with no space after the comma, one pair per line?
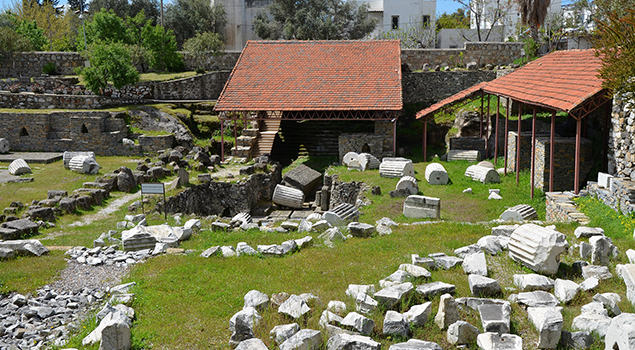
[32,157]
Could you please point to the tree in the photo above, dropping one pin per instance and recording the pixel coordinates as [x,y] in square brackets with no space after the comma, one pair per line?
[615,44]
[533,13]
[148,44]
[123,8]
[416,35]
[202,45]
[457,20]
[106,26]
[187,18]
[12,42]
[314,20]
[485,15]
[108,63]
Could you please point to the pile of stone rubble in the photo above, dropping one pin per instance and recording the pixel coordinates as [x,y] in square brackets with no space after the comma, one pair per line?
[539,296]
[50,317]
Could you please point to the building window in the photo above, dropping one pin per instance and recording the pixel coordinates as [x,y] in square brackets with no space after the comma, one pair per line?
[426,20]
[395,22]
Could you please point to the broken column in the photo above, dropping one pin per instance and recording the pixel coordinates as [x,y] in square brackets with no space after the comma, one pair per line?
[4,146]
[436,174]
[519,213]
[325,193]
[303,178]
[621,332]
[538,248]
[548,321]
[19,167]
[483,174]
[349,158]
[368,161]
[422,207]
[396,167]
[341,215]
[409,184]
[84,165]
[287,196]
[66,158]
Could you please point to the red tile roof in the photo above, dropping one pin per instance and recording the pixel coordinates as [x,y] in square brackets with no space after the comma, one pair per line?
[451,100]
[561,80]
[315,76]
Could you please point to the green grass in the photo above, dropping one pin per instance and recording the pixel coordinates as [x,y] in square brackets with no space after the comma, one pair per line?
[185,301]
[26,274]
[455,205]
[54,176]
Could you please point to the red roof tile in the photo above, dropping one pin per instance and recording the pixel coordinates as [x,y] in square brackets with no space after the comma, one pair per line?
[561,80]
[315,76]
[451,100]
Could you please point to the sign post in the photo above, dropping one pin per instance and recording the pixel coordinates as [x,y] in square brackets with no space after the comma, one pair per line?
[153,188]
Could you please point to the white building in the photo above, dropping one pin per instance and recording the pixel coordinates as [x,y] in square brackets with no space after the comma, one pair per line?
[396,14]
[240,15]
[511,18]
[579,24]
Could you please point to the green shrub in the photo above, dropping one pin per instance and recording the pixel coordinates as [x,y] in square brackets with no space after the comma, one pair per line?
[49,68]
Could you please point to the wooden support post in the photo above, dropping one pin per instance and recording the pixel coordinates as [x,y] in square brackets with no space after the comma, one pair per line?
[576,181]
[506,135]
[552,147]
[498,107]
[480,117]
[520,111]
[533,152]
[394,137]
[222,140]
[235,138]
[425,141]
[487,127]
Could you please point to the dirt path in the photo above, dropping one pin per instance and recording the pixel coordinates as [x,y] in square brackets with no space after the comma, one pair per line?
[104,212]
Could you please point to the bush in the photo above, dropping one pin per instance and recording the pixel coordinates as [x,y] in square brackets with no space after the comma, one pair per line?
[49,68]
[109,63]
[201,46]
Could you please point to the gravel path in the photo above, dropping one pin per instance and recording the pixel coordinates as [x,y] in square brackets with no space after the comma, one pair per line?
[79,276]
[104,212]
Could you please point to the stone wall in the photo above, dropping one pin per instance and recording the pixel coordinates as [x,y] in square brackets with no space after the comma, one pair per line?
[430,87]
[152,144]
[99,132]
[561,208]
[619,197]
[378,144]
[564,162]
[621,154]
[29,64]
[224,198]
[482,53]
[200,87]
[564,165]
[51,101]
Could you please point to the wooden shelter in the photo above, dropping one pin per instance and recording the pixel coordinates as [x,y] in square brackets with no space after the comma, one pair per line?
[314,80]
[564,81]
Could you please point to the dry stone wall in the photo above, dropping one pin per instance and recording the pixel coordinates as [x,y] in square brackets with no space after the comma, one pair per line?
[224,198]
[621,153]
[378,144]
[201,87]
[564,166]
[430,87]
[29,64]
[481,53]
[100,132]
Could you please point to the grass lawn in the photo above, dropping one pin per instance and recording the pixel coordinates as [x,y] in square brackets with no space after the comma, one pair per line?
[185,301]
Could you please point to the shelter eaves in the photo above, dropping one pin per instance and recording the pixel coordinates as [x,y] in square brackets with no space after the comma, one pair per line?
[315,76]
[562,80]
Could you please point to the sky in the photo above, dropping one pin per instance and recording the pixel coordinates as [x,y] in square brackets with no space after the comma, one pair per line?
[447,6]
